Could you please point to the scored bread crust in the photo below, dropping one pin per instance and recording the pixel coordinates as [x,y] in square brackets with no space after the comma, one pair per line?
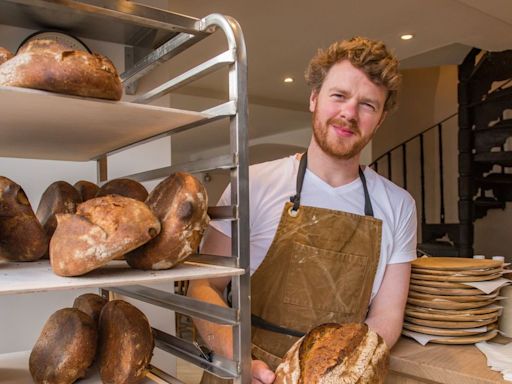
[125,343]
[102,229]
[181,204]
[5,55]
[124,187]
[335,353]
[22,238]
[65,348]
[91,304]
[86,189]
[47,65]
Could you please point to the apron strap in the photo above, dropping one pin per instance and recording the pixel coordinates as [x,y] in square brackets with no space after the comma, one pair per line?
[258,322]
[303,165]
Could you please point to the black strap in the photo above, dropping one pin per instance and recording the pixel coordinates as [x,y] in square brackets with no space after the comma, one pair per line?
[303,165]
[264,324]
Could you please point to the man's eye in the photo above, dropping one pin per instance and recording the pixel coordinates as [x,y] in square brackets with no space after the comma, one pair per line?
[337,95]
[369,106]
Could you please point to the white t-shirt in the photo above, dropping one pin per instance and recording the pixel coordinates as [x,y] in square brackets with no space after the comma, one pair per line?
[272,183]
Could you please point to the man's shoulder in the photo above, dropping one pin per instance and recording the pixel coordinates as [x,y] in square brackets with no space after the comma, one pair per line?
[274,169]
[395,192]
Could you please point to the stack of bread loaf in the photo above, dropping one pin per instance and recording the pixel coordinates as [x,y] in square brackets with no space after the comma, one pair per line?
[49,65]
[83,227]
[443,306]
[114,334]
[336,353]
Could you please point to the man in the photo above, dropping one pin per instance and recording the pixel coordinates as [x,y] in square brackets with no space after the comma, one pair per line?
[340,248]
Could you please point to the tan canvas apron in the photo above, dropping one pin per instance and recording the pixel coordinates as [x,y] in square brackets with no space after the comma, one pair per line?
[319,268]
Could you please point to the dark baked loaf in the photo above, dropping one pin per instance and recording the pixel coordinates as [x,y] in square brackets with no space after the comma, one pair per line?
[5,55]
[22,237]
[124,187]
[102,229]
[181,203]
[59,197]
[91,304]
[65,348]
[336,353]
[86,189]
[125,343]
[48,65]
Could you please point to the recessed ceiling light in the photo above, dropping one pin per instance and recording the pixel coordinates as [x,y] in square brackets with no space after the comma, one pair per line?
[288,80]
[407,37]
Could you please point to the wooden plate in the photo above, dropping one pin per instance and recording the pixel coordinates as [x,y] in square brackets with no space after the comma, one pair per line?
[472,311]
[469,272]
[451,324]
[467,317]
[459,299]
[441,284]
[418,276]
[440,331]
[446,291]
[448,304]
[455,263]
[462,339]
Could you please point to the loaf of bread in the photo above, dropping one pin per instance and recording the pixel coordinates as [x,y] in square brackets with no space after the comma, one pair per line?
[59,197]
[22,238]
[125,343]
[48,65]
[65,348]
[102,229]
[181,203]
[124,187]
[86,189]
[336,353]
[5,55]
[91,304]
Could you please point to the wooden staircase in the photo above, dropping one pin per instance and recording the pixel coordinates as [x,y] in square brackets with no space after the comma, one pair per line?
[484,161]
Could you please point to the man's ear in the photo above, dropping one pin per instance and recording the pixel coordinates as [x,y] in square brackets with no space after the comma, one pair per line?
[312,100]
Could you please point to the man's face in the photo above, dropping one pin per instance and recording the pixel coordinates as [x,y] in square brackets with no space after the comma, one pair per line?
[347,110]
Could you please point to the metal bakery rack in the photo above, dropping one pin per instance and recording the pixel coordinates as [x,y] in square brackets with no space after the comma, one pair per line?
[100,128]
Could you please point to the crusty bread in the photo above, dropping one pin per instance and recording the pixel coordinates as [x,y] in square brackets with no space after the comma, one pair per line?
[65,348]
[125,344]
[59,197]
[86,189]
[124,187]
[336,353]
[48,65]
[181,203]
[91,304]
[102,229]
[5,55]
[22,237]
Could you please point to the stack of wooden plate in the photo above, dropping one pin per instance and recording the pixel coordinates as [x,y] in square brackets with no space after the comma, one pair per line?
[440,305]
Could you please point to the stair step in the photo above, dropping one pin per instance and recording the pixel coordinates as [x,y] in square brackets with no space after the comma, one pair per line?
[495,179]
[494,136]
[439,248]
[503,158]
[488,203]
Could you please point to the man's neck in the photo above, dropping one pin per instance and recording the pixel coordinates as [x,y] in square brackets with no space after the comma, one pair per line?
[335,172]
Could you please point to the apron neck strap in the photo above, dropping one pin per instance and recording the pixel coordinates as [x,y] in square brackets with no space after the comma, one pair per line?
[303,165]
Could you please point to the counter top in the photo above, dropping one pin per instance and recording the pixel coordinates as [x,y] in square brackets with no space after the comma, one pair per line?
[436,363]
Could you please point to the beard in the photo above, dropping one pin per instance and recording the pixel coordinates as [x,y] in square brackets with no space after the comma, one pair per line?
[342,148]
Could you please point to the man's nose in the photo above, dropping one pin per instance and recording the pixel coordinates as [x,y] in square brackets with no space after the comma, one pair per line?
[349,110]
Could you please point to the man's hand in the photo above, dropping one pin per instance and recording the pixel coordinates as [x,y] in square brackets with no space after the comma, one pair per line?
[261,373]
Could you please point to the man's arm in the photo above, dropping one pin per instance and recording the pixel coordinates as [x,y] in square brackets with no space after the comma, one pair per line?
[387,310]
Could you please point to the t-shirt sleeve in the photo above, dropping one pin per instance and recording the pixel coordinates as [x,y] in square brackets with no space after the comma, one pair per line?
[405,243]
[223,226]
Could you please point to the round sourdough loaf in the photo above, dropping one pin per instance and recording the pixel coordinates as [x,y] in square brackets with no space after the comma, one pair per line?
[124,187]
[59,197]
[22,238]
[102,229]
[125,343]
[5,55]
[86,189]
[50,66]
[91,304]
[181,203]
[336,353]
[65,348]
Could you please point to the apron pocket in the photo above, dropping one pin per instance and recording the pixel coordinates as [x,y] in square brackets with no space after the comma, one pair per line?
[325,280]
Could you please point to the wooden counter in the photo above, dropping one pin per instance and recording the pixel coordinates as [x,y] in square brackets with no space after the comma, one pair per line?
[412,363]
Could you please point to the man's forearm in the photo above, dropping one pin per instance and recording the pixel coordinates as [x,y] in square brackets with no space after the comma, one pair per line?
[388,328]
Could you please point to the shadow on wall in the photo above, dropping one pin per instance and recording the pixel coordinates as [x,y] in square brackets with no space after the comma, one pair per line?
[216,182]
